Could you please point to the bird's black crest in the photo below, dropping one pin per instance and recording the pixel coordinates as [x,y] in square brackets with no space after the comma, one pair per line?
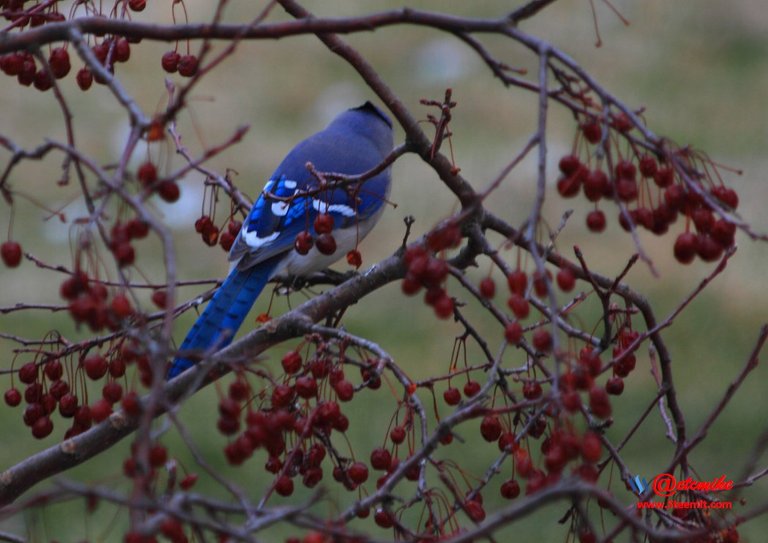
[368,106]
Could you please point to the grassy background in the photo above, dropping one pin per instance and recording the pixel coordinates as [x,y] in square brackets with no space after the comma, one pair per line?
[700,70]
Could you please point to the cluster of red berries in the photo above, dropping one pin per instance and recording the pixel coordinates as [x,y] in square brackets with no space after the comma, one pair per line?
[121,236]
[324,242]
[518,301]
[173,62]
[631,181]
[10,251]
[428,271]
[211,234]
[61,383]
[90,303]
[48,387]
[167,189]
[307,403]
[109,51]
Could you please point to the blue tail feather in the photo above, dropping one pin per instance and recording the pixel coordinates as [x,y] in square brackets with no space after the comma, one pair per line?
[224,313]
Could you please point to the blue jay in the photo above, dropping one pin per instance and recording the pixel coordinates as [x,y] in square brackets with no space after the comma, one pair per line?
[354,142]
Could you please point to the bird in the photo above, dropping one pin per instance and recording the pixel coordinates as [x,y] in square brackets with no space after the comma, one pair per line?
[275,237]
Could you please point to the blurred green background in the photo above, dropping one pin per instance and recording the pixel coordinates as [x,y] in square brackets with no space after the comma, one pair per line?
[700,70]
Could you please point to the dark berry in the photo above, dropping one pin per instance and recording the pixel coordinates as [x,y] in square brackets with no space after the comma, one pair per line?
[10,252]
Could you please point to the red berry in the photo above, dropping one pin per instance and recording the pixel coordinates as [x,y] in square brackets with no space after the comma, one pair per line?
[599,402]
[507,442]
[358,472]
[648,166]
[203,223]
[510,489]
[234,227]
[12,397]
[68,405]
[121,306]
[284,485]
[519,306]
[726,195]
[569,186]
[354,258]
[188,481]
[452,396]
[674,196]
[664,177]
[84,79]
[708,249]
[626,189]
[625,169]
[620,121]
[27,74]
[614,386]
[291,362]
[101,410]
[326,244]
[344,390]
[112,392]
[122,50]
[397,435]
[490,428]
[137,5]
[475,510]
[532,390]
[384,519]
[188,65]
[569,164]
[542,340]
[11,253]
[43,80]
[169,191]
[443,307]
[160,298]
[137,229]
[42,427]
[11,64]
[131,404]
[303,242]
[566,279]
[381,459]
[591,448]
[124,254]
[487,288]
[226,240]
[59,62]
[686,247]
[703,219]
[158,455]
[53,370]
[517,282]
[571,401]
[95,366]
[592,131]
[540,283]
[28,373]
[170,61]
[147,174]
[595,185]
[724,232]
[596,220]
[513,332]
[306,387]
[323,223]
[471,388]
